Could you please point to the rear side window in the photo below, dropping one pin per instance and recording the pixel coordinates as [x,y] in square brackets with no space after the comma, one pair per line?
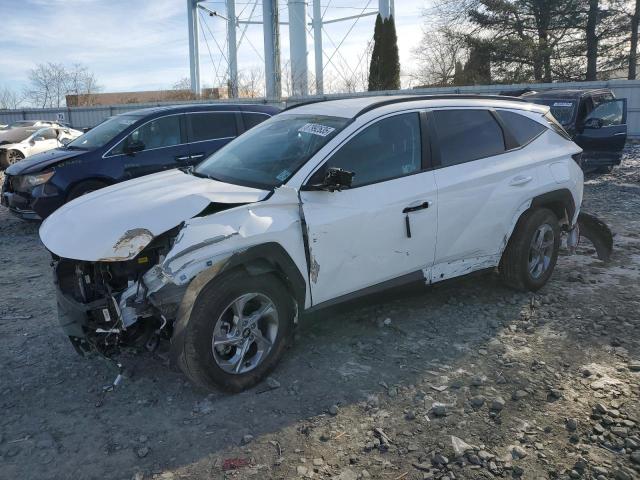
[522,128]
[211,126]
[555,126]
[466,135]
[252,119]
[48,134]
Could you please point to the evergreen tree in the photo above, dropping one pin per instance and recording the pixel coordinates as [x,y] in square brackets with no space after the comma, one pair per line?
[375,66]
[384,71]
[390,77]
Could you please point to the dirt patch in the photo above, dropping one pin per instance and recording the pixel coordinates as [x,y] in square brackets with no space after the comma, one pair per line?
[465,380]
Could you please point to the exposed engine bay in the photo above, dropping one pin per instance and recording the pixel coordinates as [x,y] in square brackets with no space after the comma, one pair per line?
[105,306]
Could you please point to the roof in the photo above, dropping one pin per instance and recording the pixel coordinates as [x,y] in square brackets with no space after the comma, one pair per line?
[205,107]
[574,93]
[354,107]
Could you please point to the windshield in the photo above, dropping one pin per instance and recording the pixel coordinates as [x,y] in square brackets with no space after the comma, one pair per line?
[269,154]
[101,134]
[562,110]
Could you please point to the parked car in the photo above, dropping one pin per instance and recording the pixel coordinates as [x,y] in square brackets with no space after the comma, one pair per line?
[19,143]
[320,204]
[123,147]
[594,119]
[35,124]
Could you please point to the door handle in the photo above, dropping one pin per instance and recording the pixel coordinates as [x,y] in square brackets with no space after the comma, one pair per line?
[520,180]
[415,208]
[196,155]
[183,158]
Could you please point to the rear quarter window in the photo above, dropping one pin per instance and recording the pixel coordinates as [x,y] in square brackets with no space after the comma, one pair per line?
[523,129]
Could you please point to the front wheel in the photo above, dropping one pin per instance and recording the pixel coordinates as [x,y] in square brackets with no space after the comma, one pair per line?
[531,254]
[11,157]
[237,332]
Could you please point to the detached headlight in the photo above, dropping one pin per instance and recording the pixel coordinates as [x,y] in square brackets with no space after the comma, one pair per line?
[30,181]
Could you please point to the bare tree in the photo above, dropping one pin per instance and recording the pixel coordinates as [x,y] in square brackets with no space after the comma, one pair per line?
[82,83]
[10,99]
[49,83]
[251,83]
[633,50]
[437,56]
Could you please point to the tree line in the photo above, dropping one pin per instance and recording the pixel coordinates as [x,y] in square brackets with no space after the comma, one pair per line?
[468,42]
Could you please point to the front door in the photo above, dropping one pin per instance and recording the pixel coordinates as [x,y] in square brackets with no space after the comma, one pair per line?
[604,131]
[382,228]
[45,139]
[156,145]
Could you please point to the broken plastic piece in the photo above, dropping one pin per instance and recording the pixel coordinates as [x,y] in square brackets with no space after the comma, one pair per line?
[598,233]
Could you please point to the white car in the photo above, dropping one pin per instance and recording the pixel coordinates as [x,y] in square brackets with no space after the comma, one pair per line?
[17,143]
[320,204]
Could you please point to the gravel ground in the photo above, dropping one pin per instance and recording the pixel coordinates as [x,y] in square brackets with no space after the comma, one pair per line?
[465,380]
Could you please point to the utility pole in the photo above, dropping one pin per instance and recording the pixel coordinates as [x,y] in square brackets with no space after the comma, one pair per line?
[383,8]
[194,54]
[271,31]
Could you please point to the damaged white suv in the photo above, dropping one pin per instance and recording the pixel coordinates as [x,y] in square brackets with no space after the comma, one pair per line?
[320,204]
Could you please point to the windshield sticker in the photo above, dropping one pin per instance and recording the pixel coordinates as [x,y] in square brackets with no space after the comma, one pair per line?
[316,129]
[283,175]
[562,104]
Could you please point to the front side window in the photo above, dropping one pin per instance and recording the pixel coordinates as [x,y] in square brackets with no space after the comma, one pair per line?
[269,154]
[466,135]
[609,113]
[211,126]
[158,133]
[390,148]
[103,133]
[46,133]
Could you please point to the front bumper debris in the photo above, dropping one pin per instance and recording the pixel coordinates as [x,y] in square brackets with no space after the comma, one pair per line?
[598,233]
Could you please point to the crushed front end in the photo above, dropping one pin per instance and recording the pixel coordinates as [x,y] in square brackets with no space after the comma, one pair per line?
[104,307]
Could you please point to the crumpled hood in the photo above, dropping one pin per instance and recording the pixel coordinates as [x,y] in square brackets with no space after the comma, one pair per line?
[117,222]
[40,161]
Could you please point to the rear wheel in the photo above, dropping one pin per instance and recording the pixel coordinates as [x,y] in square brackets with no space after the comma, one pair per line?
[237,332]
[531,254]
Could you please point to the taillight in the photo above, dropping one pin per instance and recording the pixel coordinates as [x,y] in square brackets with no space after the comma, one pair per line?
[577,157]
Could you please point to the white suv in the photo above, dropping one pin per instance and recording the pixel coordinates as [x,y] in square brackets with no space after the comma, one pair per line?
[322,203]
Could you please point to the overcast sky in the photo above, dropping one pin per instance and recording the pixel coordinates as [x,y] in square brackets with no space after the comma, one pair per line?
[142,44]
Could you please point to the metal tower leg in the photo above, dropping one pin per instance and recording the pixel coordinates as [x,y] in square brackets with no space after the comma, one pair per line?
[271,31]
[298,47]
[194,57]
[233,48]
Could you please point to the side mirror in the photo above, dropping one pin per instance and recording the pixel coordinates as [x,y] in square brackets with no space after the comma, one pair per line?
[334,179]
[38,139]
[593,123]
[133,147]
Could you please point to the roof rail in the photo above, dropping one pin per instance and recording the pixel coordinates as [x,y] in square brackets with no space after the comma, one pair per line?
[448,96]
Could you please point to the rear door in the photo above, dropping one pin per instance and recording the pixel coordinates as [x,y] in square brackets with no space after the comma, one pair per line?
[605,128]
[483,178]
[209,131]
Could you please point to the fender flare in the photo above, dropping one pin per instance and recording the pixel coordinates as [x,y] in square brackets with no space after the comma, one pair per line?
[559,201]
[256,260]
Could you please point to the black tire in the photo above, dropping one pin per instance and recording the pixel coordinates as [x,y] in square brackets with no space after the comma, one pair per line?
[84,188]
[607,169]
[515,264]
[11,157]
[197,360]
